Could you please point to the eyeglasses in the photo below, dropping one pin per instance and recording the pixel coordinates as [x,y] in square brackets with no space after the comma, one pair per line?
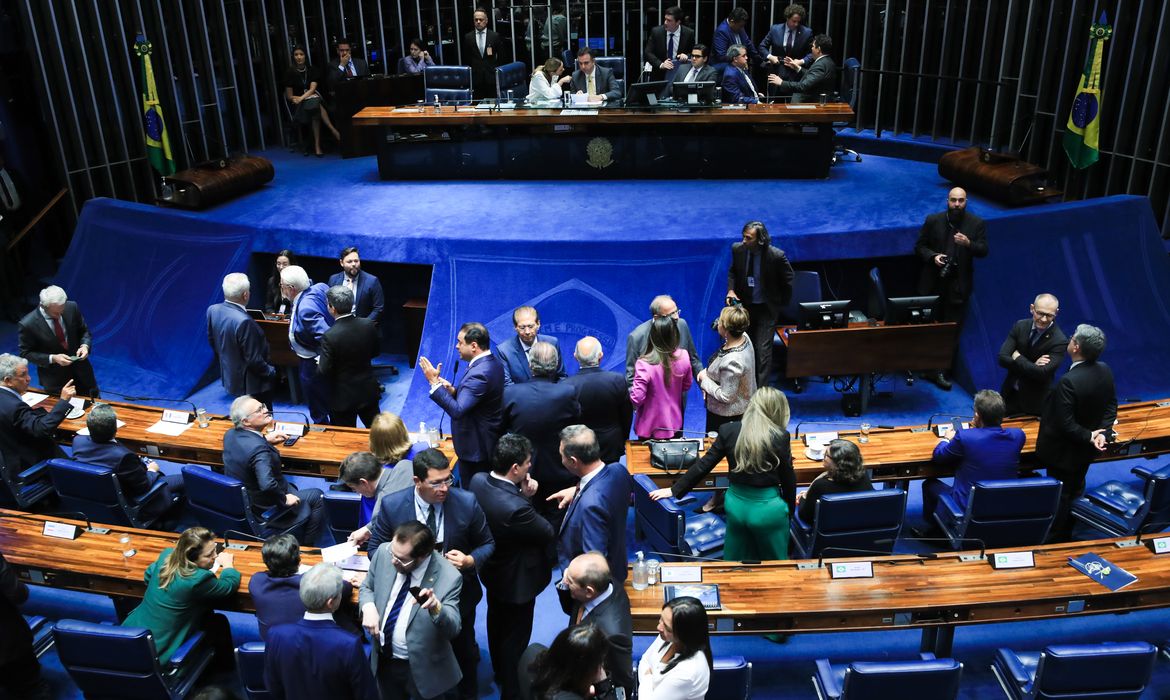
[262,411]
[404,563]
[1045,314]
[444,484]
[696,55]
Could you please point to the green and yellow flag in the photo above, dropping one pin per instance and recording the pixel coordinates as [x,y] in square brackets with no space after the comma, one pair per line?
[1084,121]
[158,146]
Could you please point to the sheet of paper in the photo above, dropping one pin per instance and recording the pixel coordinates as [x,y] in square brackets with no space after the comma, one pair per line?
[338,552]
[171,429]
[355,563]
[32,398]
[586,112]
[85,430]
[802,106]
[681,574]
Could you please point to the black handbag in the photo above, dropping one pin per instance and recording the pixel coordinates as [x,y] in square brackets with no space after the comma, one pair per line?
[673,455]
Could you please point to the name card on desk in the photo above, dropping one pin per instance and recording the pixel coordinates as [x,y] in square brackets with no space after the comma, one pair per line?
[1012,560]
[1159,545]
[851,569]
[61,531]
[681,574]
[181,417]
[823,438]
[290,429]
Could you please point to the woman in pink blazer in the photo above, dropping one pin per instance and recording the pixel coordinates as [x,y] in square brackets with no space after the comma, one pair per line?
[661,377]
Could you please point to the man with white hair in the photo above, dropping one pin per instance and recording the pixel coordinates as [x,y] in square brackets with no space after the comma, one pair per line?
[308,321]
[54,337]
[604,398]
[26,434]
[239,344]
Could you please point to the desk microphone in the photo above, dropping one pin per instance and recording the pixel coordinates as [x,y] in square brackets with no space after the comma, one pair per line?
[748,562]
[242,535]
[156,398]
[308,423]
[1148,528]
[78,515]
[917,557]
[973,540]
[855,426]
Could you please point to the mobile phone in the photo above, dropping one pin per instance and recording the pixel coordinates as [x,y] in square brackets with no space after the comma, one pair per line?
[292,440]
[416,591]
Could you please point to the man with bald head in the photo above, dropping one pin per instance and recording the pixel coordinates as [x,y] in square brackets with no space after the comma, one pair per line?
[604,399]
[1032,354]
[239,344]
[600,600]
[662,306]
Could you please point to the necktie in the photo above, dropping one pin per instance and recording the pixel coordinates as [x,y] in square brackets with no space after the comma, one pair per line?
[670,45]
[572,502]
[580,615]
[480,39]
[691,76]
[592,90]
[60,332]
[1033,336]
[789,42]
[749,82]
[349,69]
[432,522]
[395,610]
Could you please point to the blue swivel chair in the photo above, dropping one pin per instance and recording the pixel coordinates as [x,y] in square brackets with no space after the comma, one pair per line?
[806,287]
[26,489]
[617,64]
[221,503]
[850,83]
[869,520]
[42,631]
[925,679]
[731,679]
[1121,509]
[250,663]
[513,76]
[121,663]
[667,528]
[343,510]
[1001,513]
[1107,671]
[95,491]
[447,83]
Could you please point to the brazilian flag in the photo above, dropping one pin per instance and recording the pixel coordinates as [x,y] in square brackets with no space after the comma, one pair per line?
[1084,121]
[158,145]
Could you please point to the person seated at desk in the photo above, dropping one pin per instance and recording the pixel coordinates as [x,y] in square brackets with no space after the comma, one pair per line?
[738,87]
[661,378]
[181,593]
[593,80]
[346,67]
[548,82]
[817,79]
[677,665]
[274,301]
[26,434]
[700,71]
[417,60]
[300,88]
[276,592]
[365,474]
[844,473]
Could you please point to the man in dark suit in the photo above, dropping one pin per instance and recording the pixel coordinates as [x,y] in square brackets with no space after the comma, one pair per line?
[513,352]
[737,84]
[593,80]
[136,475]
[604,400]
[475,406]
[308,320]
[276,590]
[789,39]
[812,80]
[462,537]
[668,44]
[26,434]
[367,290]
[346,67]
[539,410]
[239,344]
[700,71]
[1077,421]
[347,350]
[599,599]
[638,342]
[947,245]
[731,32]
[412,656]
[1032,353]
[481,51]
[20,672]
[249,455]
[760,277]
[54,337]
[521,566]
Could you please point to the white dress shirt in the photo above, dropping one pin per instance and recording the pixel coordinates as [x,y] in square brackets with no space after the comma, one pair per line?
[398,635]
[688,680]
[540,90]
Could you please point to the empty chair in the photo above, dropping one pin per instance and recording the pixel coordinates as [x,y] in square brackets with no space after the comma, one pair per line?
[1121,509]
[121,663]
[343,511]
[512,77]
[96,491]
[221,503]
[869,520]
[26,489]
[667,528]
[42,631]
[731,679]
[1106,671]
[876,298]
[250,664]
[447,83]
[850,81]
[617,64]
[806,287]
[1001,512]
[927,678]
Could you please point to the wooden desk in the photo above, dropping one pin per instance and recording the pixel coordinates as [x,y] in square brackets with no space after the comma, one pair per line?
[351,96]
[904,452]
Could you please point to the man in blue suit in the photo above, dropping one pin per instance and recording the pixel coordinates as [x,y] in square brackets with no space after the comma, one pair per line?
[239,344]
[308,321]
[461,535]
[513,352]
[789,39]
[731,32]
[738,87]
[595,509]
[475,406]
[314,657]
[986,451]
[367,290]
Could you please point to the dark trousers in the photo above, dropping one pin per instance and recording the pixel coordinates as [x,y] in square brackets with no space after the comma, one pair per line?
[509,627]
[1072,487]
[84,381]
[316,391]
[395,681]
[762,331]
[932,490]
[349,418]
[464,646]
[312,506]
[468,469]
[715,421]
[21,677]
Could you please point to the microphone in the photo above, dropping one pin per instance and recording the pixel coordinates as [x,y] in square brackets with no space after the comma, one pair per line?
[826,550]
[973,540]
[1148,528]
[855,426]
[155,398]
[78,515]
[243,535]
[749,562]
[311,425]
[454,373]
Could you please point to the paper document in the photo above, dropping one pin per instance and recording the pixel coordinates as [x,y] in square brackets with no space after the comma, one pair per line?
[32,398]
[85,430]
[579,112]
[172,429]
[338,552]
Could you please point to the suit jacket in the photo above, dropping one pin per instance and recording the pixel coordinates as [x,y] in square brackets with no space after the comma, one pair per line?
[464,528]
[605,408]
[26,434]
[637,343]
[725,38]
[775,272]
[15,636]
[819,77]
[368,300]
[936,237]
[310,659]
[1026,385]
[347,351]
[428,638]
[773,43]
[612,616]
[736,87]
[483,68]
[516,369]
[538,410]
[241,348]
[247,456]
[278,602]
[980,454]
[310,317]
[521,567]
[655,52]
[37,342]
[475,409]
[394,478]
[605,83]
[334,74]
[1084,400]
[131,471]
[596,521]
[707,73]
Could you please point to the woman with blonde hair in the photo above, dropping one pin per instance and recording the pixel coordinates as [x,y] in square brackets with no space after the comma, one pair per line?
[729,380]
[548,82]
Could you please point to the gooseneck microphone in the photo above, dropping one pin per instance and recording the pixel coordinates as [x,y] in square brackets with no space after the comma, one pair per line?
[915,557]
[190,403]
[973,540]
[855,426]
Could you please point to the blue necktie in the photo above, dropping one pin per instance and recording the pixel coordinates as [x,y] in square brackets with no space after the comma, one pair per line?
[670,46]
[395,610]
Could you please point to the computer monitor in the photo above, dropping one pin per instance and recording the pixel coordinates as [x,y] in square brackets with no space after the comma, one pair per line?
[819,315]
[904,310]
[698,92]
[644,94]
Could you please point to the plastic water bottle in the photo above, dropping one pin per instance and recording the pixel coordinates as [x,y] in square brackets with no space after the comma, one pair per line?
[641,576]
[422,430]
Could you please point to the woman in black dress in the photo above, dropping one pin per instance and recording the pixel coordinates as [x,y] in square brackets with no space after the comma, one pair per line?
[300,88]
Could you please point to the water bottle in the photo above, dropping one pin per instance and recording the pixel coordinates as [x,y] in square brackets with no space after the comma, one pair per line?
[641,576]
[422,431]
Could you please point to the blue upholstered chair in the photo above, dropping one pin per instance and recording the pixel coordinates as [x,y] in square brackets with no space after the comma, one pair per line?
[221,503]
[26,489]
[869,520]
[95,491]
[617,64]
[42,631]
[250,664]
[667,528]
[731,679]
[1001,512]
[1107,671]
[1121,509]
[876,299]
[343,510]
[925,679]
[513,76]
[448,83]
[850,84]
[806,287]
[106,661]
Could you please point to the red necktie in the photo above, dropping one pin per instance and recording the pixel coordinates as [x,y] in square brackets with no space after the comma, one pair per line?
[57,329]
[349,69]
